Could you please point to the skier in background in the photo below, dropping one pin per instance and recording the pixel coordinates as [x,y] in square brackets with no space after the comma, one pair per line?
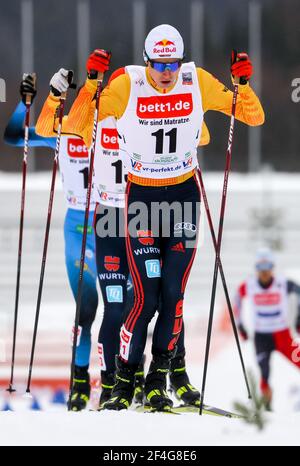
[73,161]
[268,297]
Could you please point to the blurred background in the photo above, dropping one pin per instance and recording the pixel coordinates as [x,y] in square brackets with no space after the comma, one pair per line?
[264,186]
[38,36]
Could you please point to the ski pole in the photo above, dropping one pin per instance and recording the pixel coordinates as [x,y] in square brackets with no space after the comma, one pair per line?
[229,306]
[84,236]
[21,228]
[48,223]
[218,249]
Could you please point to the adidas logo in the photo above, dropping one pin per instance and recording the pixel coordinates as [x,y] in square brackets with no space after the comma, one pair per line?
[178,247]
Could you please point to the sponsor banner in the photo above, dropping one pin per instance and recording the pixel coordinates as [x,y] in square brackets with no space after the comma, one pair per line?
[267,299]
[178,105]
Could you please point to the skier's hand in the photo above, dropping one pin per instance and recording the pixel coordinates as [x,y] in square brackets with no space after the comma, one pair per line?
[60,82]
[243,332]
[98,62]
[241,66]
[27,87]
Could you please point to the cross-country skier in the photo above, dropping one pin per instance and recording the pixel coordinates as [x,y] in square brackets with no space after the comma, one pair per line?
[108,191]
[159,109]
[111,261]
[179,379]
[268,293]
[73,162]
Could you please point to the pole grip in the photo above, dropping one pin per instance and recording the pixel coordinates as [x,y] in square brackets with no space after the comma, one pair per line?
[100,76]
[29,96]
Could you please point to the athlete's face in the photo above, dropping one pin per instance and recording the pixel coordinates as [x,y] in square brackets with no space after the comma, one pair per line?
[265,276]
[166,78]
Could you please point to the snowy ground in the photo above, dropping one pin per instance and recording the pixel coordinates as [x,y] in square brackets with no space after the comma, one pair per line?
[128,428]
[55,426]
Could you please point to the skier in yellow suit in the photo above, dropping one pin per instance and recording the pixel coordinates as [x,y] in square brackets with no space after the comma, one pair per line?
[159,110]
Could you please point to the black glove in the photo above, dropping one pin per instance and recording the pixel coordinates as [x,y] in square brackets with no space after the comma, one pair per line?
[243,332]
[27,87]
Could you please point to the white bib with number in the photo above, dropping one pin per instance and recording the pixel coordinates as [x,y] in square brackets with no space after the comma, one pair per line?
[160,132]
[74,168]
[110,175]
[269,306]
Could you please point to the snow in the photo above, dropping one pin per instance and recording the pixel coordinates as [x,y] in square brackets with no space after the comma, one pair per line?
[213,181]
[225,384]
[53,425]
[34,182]
[130,428]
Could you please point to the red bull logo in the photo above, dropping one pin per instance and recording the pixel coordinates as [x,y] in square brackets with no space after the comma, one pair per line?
[164,48]
[145,237]
[163,43]
[112,263]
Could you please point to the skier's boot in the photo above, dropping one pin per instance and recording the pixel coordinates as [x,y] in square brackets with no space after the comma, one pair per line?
[180,382]
[107,384]
[156,382]
[139,383]
[266,395]
[81,389]
[123,390]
